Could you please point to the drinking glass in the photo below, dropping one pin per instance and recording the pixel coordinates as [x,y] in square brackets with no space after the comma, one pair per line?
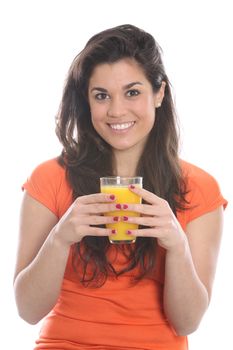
[119,186]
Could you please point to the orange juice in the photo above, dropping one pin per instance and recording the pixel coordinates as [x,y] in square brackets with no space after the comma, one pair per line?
[123,196]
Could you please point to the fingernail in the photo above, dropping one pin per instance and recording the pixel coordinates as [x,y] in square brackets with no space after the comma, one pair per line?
[114,232]
[118,206]
[125,206]
[132,186]
[112,197]
[116,218]
[129,232]
[125,218]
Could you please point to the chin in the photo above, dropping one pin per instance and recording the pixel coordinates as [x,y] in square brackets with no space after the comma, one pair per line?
[121,147]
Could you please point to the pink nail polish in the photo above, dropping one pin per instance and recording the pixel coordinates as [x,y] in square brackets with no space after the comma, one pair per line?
[112,197]
[125,206]
[129,232]
[125,218]
[114,232]
[132,186]
[118,206]
[116,218]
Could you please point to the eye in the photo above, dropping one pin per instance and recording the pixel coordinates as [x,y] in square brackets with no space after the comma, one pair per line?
[101,96]
[132,93]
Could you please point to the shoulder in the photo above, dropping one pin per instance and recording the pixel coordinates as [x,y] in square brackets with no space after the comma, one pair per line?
[48,175]
[48,184]
[49,168]
[203,190]
[196,176]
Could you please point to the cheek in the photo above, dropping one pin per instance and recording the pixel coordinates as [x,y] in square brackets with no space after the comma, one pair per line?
[148,110]
[96,114]
[152,109]
[98,111]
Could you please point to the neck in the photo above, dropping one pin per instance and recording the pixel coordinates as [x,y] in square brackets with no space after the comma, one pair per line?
[125,162]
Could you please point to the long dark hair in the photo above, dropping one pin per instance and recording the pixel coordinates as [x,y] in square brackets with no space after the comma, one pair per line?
[86,156]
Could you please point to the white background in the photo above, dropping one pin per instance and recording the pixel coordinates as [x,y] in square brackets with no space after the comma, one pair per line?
[39,39]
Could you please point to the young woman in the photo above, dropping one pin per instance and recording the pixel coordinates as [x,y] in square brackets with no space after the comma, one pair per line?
[117,118]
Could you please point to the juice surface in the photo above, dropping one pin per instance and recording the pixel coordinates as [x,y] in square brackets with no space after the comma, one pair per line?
[123,196]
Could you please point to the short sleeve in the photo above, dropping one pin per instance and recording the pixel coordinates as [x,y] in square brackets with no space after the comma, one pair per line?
[204,194]
[48,185]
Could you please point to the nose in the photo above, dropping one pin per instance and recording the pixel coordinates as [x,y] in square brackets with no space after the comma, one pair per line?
[117,107]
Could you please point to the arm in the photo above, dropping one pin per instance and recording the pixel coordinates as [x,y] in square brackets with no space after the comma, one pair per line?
[40,264]
[190,258]
[44,245]
[189,272]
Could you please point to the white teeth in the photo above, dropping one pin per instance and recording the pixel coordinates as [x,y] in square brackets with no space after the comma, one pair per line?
[121,126]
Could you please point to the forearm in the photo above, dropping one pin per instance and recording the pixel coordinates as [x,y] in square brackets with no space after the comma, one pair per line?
[185,296]
[37,287]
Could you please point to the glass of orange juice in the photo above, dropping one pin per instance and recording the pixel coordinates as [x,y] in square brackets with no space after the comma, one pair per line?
[118,186]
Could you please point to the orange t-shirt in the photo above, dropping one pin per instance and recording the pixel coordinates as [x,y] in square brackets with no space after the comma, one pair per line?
[119,315]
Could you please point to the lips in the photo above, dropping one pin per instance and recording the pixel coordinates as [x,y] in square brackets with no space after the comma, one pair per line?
[121,126]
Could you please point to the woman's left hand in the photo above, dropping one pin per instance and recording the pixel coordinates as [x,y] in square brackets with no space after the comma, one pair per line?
[160,219]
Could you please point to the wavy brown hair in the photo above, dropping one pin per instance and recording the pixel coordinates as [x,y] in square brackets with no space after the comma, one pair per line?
[87,157]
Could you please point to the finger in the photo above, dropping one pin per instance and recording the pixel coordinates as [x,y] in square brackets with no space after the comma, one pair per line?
[96,231]
[148,196]
[97,220]
[146,209]
[145,221]
[97,208]
[96,198]
[147,232]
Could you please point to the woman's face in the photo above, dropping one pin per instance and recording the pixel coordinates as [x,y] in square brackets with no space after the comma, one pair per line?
[122,104]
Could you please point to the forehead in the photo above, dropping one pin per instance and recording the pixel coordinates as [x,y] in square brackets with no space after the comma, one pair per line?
[120,72]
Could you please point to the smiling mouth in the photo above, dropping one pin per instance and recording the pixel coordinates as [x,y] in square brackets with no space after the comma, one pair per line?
[122,126]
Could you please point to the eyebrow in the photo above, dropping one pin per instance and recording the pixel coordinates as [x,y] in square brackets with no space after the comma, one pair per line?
[128,86]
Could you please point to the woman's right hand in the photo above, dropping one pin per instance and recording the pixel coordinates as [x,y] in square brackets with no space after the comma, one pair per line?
[44,247]
[84,216]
